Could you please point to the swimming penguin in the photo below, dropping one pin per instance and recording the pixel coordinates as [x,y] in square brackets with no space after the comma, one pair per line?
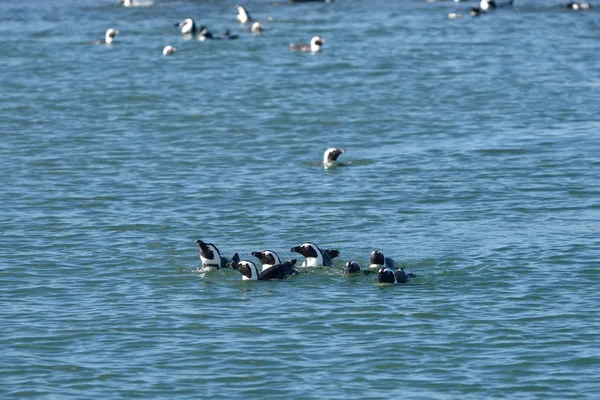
[267,258]
[387,275]
[491,5]
[188,27]
[352,267]
[578,6]
[204,34]
[330,156]
[243,15]
[314,255]
[108,37]
[379,261]
[169,50]
[475,11]
[278,271]
[314,46]
[227,35]
[211,257]
[257,28]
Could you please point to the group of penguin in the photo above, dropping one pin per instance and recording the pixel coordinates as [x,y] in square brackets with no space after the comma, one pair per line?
[274,269]
[487,6]
[190,30]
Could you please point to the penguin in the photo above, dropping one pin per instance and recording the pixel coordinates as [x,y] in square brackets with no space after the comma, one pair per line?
[315,45]
[257,28]
[387,275]
[352,267]
[278,271]
[108,37]
[578,6]
[169,50]
[314,255]
[330,157]
[188,27]
[267,258]
[243,15]
[378,260]
[211,257]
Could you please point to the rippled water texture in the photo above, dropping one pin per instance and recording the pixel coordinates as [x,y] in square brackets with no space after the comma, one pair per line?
[472,159]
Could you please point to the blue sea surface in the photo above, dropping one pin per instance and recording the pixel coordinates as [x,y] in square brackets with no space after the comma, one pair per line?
[472,159]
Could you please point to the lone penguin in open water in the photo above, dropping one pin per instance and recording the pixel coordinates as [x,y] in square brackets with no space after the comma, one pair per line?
[278,271]
[211,256]
[267,258]
[314,256]
[109,37]
[330,157]
[387,275]
[315,45]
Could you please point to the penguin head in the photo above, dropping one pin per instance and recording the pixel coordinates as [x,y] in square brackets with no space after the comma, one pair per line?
[188,26]
[386,275]
[308,250]
[331,155]
[209,254]
[352,267]
[377,258]
[267,257]
[247,269]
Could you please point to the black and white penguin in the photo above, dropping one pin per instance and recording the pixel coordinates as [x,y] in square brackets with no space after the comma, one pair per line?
[227,36]
[188,27]
[211,257]
[243,15]
[315,45]
[378,260]
[330,156]
[109,37]
[475,11]
[491,5]
[387,275]
[257,28]
[278,271]
[267,258]
[168,50]
[578,6]
[352,267]
[314,255]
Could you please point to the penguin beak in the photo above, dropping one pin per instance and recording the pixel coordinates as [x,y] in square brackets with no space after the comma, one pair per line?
[295,249]
[256,253]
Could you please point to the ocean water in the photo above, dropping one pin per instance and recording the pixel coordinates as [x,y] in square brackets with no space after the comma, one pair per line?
[472,159]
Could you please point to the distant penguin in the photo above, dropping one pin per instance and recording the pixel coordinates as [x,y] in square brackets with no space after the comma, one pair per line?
[487,5]
[267,258]
[188,27]
[378,260]
[211,257]
[278,271]
[330,157]
[108,37]
[257,28]
[352,267]
[475,12]
[169,50]
[314,255]
[227,35]
[314,46]
[204,34]
[578,6]
[387,275]
[243,15]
